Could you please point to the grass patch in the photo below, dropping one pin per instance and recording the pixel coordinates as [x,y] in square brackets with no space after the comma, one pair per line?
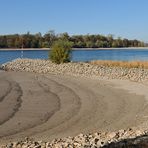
[125,64]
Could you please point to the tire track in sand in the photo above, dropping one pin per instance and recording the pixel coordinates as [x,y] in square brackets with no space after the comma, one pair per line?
[7,91]
[11,102]
[44,118]
[60,88]
[47,89]
[85,107]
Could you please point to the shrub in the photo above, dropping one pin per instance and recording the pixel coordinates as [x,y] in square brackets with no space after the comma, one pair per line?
[60,51]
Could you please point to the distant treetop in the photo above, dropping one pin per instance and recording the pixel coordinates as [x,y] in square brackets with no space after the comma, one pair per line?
[78,41]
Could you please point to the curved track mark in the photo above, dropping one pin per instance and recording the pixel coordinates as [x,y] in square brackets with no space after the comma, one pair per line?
[18,100]
[7,92]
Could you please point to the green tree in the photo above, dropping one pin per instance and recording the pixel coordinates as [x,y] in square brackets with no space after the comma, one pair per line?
[110,40]
[79,41]
[64,36]
[115,44]
[3,42]
[125,43]
[60,51]
[49,38]
[17,43]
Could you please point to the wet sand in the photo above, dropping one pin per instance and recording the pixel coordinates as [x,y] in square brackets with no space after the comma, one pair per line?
[52,106]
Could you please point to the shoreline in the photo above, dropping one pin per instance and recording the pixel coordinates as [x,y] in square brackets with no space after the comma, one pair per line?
[81,68]
[24,49]
[33,49]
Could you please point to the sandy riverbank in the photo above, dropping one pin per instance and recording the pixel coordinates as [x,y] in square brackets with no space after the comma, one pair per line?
[44,101]
[53,106]
[13,49]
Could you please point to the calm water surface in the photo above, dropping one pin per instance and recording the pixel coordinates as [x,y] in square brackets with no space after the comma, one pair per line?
[80,55]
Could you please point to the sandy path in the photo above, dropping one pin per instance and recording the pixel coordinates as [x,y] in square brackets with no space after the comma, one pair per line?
[49,106]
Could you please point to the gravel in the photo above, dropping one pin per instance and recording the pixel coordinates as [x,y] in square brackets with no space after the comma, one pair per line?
[77,69]
[120,139]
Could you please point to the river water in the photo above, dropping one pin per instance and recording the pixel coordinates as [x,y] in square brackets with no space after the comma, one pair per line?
[80,55]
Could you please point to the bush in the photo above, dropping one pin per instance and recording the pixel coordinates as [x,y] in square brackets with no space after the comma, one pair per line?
[60,51]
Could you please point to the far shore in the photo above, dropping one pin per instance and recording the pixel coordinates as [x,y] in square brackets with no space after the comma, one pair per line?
[12,49]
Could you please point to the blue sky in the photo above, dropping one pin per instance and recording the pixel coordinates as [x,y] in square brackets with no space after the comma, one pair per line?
[124,18]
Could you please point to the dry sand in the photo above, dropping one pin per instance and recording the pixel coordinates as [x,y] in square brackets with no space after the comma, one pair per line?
[52,106]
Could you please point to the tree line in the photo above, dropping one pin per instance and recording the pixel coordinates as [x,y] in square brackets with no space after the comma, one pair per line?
[78,41]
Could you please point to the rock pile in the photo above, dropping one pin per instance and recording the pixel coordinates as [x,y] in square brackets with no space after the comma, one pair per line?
[96,140]
[79,69]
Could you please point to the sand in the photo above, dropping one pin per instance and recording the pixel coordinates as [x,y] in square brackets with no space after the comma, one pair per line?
[13,49]
[52,106]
